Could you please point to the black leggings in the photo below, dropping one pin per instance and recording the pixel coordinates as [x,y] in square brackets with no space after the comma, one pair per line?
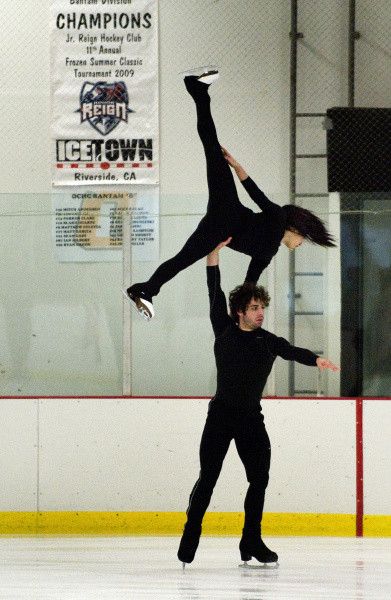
[224,210]
[253,446]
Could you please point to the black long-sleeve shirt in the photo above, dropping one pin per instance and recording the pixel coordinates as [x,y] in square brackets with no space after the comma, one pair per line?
[244,359]
[262,235]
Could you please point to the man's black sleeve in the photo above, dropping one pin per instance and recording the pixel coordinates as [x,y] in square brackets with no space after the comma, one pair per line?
[279,346]
[217,302]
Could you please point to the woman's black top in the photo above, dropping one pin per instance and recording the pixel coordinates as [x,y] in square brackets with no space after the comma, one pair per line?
[260,233]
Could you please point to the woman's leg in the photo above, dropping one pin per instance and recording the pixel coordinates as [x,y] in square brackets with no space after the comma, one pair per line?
[204,239]
[222,190]
[223,212]
[219,221]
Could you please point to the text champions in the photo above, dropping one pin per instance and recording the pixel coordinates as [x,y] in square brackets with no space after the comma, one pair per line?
[103,20]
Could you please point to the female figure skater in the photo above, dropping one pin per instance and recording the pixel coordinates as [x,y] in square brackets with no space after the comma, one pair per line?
[258,235]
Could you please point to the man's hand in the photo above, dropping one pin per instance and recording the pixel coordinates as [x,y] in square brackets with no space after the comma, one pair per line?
[222,244]
[325,363]
[212,260]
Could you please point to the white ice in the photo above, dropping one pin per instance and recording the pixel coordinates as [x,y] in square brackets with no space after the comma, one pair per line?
[133,568]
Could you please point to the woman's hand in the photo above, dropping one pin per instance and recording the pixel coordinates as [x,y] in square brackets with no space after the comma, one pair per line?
[230,159]
[240,172]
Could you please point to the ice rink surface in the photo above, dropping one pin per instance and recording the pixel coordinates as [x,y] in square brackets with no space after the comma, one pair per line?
[133,568]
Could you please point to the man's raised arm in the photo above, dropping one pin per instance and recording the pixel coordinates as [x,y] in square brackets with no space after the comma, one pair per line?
[217,301]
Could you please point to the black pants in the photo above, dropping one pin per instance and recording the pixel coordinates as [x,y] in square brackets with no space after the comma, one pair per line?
[224,213]
[253,446]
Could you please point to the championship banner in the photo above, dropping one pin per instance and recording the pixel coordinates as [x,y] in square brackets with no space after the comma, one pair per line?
[88,225]
[104,69]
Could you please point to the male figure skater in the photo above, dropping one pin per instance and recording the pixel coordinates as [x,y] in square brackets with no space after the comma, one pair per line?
[257,234]
[244,353]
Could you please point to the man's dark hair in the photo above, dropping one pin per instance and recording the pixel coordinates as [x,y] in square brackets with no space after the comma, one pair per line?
[308,225]
[241,296]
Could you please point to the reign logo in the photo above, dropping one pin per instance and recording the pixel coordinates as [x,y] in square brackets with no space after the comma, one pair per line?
[104,105]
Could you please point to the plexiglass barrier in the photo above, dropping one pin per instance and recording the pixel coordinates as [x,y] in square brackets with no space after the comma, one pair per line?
[66,329]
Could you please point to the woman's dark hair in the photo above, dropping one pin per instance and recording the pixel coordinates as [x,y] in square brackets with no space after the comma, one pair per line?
[241,296]
[308,225]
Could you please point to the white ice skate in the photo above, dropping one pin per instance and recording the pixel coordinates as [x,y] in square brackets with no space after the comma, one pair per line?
[143,307]
[207,74]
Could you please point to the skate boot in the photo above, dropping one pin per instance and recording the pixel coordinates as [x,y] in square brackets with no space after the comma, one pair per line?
[207,74]
[197,85]
[189,544]
[140,300]
[252,546]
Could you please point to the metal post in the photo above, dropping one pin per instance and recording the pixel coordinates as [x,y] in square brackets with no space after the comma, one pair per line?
[126,310]
[351,52]
[294,35]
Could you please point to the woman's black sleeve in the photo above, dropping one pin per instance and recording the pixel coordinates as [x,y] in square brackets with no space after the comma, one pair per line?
[255,268]
[257,195]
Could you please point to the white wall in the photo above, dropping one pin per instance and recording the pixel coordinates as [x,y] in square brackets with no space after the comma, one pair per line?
[142,455]
[377,422]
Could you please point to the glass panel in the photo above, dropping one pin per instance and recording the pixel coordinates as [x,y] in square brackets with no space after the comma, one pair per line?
[60,322]
[365,315]
[376,297]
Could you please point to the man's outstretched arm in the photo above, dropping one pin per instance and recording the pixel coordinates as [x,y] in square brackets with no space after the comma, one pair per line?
[217,302]
[325,363]
[281,347]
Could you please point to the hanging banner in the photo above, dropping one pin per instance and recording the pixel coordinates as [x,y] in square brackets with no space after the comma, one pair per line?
[104,70]
[88,226]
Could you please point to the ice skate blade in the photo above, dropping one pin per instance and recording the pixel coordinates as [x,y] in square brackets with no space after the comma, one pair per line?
[245,565]
[207,74]
[142,312]
[209,77]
